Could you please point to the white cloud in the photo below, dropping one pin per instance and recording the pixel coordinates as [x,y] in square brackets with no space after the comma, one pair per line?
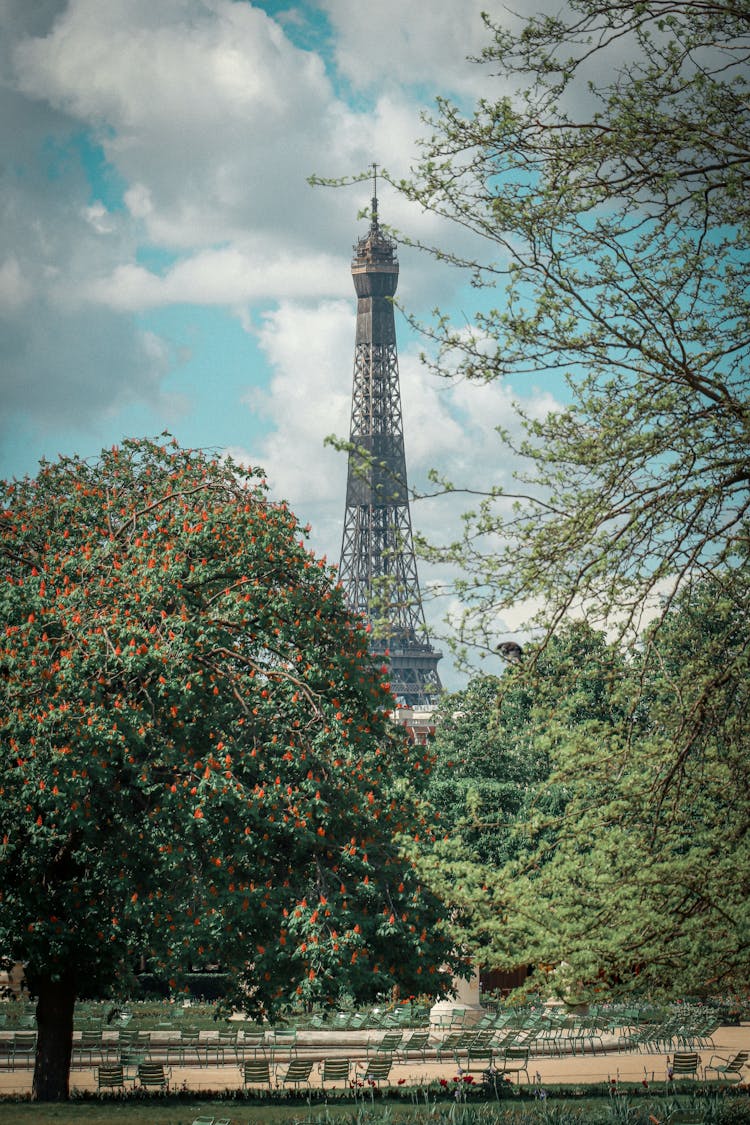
[15,290]
[427,42]
[213,119]
[231,275]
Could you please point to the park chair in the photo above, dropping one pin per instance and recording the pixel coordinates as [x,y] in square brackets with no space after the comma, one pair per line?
[110,1076]
[376,1070]
[682,1065]
[188,1046]
[256,1072]
[398,1017]
[478,1057]
[487,1019]
[727,1066]
[130,1060]
[153,1076]
[297,1072]
[334,1070]
[375,1018]
[23,1048]
[212,1049]
[417,1044]
[90,1044]
[420,1015]
[449,1044]
[514,1060]
[387,1045]
[230,1041]
[252,1042]
[703,1032]
[588,1035]
[456,1043]
[283,1042]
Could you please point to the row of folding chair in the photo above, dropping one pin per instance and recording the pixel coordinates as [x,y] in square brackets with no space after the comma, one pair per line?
[180,1047]
[297,1072]
[144,1075]
[18,1049]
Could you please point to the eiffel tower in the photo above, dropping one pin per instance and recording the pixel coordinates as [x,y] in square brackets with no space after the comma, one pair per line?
[378,568]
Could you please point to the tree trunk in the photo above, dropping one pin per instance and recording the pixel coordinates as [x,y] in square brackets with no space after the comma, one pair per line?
[54,1047]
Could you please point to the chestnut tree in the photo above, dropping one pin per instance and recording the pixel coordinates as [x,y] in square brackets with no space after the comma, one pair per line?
[197,760]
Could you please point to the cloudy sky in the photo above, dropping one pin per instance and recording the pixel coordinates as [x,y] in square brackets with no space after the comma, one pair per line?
[164,263]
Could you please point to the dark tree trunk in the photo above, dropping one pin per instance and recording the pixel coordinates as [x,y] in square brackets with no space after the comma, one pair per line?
[54,1021]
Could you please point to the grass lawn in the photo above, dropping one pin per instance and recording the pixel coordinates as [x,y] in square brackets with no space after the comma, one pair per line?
[155,1113]
[563,1111]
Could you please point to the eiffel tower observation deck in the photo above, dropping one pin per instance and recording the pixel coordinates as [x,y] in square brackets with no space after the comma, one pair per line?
[378,567]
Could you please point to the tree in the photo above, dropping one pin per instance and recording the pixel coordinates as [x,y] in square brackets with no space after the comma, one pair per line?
[196,751]
[491,748]
[607,188]
[496,747]
[637,881]
[605,191]
[479,781]
[647,887]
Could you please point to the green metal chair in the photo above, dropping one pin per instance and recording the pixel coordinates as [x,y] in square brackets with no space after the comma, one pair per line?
[377,1070]
[153,1076]
[256,1072]
[682,1065]
[283,1042]
[110,1076]
[334,1070]
[297,1072]
[387,1045]
[723,1067]
[514,1061]
[416,1044]
[478,1057]
[23,1048]
[89,1045]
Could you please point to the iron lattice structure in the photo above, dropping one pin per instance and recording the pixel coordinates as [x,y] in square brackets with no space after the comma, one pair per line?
[378,567]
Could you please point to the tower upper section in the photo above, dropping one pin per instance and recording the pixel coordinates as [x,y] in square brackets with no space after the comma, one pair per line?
[375,265]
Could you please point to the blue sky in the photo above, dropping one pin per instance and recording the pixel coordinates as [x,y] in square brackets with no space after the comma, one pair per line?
[164,263]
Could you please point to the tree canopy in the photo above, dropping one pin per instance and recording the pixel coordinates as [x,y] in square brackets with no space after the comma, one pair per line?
[627,868]
[606,186]
[492,753]
[602,185]
[197,759]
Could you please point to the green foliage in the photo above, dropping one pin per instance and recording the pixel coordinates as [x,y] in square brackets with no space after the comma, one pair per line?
[638,880]
[197,762]
[492,743]
[496,745]
[606,185]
